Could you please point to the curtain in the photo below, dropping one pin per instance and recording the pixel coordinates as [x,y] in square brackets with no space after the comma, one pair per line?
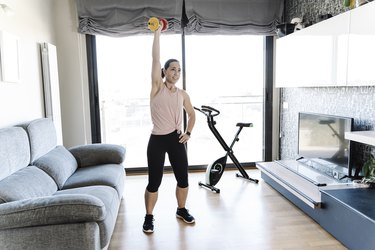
[233,16]
[125,18]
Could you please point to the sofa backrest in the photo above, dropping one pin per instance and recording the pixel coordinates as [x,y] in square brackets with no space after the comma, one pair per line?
[18,180]
[42,137]
[58,163]
[14,150]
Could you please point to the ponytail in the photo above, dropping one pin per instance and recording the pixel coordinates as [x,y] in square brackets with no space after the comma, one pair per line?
[162,73]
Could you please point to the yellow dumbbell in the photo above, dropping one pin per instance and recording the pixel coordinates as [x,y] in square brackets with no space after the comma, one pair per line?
[154,23]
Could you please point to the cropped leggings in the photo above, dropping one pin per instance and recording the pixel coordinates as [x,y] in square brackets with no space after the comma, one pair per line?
[158,146]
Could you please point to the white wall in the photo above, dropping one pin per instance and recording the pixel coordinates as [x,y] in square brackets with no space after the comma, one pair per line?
[71,54]
[31,23]
[55,22]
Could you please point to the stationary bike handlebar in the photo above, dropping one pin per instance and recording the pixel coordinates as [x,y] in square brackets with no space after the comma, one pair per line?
[208,111]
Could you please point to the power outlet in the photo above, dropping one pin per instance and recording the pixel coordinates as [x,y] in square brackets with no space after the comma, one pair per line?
[285,105]
[335,174]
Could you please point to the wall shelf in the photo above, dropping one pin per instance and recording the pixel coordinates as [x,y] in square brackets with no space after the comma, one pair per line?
[367,137]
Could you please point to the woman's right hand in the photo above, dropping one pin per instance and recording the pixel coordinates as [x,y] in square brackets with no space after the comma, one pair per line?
[160,28]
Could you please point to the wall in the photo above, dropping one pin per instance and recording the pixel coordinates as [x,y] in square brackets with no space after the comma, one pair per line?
[31,23]
[72,60]
[55,22]
[356,102]
[309,11]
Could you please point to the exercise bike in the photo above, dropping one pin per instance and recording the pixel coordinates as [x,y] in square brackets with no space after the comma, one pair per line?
[215,170]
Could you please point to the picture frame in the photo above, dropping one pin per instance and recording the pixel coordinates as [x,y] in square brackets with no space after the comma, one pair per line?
[9,58]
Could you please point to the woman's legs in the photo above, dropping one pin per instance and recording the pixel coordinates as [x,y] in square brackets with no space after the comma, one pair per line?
[178,159]
[181,195]
[157,147]
[152,197]
[155,158]
[150,201]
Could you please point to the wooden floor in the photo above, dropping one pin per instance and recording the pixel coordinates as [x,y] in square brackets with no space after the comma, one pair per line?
[243,216]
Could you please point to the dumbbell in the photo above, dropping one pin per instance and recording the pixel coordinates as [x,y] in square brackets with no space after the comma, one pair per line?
[154,23]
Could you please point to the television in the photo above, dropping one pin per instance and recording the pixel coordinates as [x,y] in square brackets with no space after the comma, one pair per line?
[322,144]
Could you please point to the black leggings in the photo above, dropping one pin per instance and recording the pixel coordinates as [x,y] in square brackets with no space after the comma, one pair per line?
[158,145]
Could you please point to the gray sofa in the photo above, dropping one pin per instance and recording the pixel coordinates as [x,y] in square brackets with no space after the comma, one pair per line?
[55,198]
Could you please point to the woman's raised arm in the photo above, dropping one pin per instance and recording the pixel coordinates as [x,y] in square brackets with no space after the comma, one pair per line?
[156,79]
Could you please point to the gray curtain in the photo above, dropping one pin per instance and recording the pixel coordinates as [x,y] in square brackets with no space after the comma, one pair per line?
[124,18]
[233,16]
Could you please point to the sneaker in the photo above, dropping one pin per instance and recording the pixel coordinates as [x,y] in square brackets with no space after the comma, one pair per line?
[148,225]
[183,214]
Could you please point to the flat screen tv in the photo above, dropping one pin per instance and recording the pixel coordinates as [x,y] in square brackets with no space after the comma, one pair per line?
[322,137]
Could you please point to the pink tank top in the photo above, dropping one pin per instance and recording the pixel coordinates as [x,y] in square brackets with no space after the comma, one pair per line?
[166,111]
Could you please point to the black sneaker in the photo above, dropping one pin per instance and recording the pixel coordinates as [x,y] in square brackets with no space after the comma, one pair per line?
[183,214]
[148,225]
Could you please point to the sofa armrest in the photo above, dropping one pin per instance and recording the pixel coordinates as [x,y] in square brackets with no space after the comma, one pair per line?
[94,154]
[59,209]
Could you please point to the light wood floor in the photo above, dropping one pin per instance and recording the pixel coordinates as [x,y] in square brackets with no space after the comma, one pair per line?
[243,216]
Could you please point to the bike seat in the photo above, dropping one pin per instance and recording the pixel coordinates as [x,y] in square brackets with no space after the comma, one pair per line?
[240,124]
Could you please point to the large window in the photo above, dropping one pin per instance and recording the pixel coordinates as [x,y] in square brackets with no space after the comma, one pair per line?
[124,81]
[225,72]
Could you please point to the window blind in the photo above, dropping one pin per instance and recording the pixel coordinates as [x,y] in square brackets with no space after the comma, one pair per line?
[124,18]
[233,16]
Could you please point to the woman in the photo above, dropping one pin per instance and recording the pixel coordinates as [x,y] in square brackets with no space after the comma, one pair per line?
[167,103]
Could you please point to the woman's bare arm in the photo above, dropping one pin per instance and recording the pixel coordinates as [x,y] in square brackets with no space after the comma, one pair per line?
[191,118]
[156,79]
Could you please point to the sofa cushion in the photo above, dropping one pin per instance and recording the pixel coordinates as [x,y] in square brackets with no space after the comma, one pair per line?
[15,150]
[29,182]
[111,202]
[78,236]
[98,153]
[112,175]
[42,136]
[50,210]
[59,163]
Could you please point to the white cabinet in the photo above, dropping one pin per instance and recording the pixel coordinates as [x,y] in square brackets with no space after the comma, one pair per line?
[361,50]
[339,51]
[366,137]
[314,56]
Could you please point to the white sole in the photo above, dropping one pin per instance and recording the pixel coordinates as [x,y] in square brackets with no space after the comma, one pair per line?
[182,218]
[148,231]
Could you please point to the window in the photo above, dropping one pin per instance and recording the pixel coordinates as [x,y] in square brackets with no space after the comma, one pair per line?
[124,79]
[225,72]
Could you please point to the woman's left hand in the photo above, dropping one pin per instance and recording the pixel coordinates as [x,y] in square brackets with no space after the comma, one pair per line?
[184,138]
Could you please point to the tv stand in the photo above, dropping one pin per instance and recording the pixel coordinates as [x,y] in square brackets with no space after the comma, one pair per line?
[337,206]
[298,179]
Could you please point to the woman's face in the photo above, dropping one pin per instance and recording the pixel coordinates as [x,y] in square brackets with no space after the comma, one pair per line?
[173,72]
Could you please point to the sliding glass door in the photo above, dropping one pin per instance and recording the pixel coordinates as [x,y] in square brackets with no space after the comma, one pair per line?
[225,72]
